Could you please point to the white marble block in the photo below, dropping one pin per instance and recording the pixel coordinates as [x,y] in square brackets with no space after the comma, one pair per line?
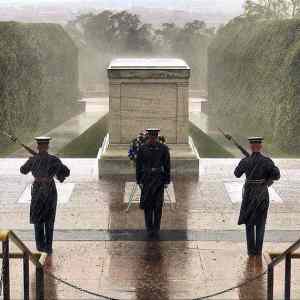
[147,93]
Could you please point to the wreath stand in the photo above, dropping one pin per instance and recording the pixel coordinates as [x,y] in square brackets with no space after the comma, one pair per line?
[133,191]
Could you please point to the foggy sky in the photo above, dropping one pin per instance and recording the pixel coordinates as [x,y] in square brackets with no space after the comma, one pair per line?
[196,5]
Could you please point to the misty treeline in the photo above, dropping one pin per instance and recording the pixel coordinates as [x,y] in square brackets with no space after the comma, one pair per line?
[107,35]
[272,9]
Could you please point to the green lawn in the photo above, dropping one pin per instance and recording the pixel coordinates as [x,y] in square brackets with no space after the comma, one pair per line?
[88,143]
[205,145]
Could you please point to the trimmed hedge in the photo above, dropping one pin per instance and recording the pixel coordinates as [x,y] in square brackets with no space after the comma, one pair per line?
[254,80]
[38,77]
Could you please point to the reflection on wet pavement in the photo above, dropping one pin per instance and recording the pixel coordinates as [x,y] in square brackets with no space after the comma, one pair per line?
[153,283]
[257,288]
[101,248]
[155,270]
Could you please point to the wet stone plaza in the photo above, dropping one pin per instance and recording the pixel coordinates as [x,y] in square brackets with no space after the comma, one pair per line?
[102,248]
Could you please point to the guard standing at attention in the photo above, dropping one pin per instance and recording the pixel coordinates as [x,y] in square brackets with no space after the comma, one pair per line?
[260,173]
[44,167]
[153,175]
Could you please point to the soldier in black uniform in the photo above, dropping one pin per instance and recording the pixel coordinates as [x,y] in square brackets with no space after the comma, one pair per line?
[44,167]
[153,175]
[260,172]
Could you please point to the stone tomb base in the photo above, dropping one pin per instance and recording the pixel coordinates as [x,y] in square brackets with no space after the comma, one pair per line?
[113,159]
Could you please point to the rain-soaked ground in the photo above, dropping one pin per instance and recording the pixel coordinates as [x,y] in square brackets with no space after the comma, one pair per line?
[101,248]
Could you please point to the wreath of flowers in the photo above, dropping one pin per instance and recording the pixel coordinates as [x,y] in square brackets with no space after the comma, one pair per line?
[137,142]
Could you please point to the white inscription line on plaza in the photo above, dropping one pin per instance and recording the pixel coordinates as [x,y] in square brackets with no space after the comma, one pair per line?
[234,190]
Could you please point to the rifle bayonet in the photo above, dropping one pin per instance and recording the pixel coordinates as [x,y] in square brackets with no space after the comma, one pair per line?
[16,140]
[230,138]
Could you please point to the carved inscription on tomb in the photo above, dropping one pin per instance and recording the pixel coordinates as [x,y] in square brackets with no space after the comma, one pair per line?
[148,105]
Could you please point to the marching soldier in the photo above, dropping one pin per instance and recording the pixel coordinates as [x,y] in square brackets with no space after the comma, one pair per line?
[44,167]
[153,175]
[260,173]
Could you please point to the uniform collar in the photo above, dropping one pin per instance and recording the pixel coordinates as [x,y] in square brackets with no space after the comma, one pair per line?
[255,153]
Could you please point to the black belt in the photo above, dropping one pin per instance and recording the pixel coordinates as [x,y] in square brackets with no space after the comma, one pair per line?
[153,170]
[42,179]
[256,181]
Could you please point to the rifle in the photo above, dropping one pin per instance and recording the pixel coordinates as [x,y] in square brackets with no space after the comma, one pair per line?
[230,138]
[16,140]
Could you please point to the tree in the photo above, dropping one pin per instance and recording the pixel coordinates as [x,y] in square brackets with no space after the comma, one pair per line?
[166,35]
[271,9]
[110,32]
[190,43]
[106,35]
[295,7]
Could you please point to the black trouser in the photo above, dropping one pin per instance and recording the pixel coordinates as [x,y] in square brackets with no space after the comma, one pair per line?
[44,236]
[255,237]
[153,217]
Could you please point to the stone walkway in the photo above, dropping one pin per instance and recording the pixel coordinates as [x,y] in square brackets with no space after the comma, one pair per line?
[157,270]
[198,202]
[102,248]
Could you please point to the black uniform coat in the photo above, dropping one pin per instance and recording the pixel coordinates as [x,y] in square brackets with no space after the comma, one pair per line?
[255,201]
[43,194]
[153,172]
